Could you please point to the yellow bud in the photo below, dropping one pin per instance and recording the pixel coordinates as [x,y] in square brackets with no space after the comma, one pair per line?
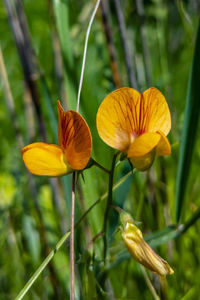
[142,252]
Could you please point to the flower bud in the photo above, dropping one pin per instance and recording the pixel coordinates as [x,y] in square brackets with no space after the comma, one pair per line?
[140,250]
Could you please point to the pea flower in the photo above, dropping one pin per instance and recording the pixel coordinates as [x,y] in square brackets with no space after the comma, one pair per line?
[140,250]
[72,153]
[136,123]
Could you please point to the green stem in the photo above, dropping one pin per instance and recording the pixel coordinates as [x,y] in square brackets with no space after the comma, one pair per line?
[72,238]
[183,228]
[42,266]
[95,163]
[109,202]
[64,238]
[149,284]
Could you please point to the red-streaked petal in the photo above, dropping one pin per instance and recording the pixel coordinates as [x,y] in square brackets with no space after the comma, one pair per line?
[118,118]
[45,159]
[74,138]
[61,121]
[163,147]
[159,117]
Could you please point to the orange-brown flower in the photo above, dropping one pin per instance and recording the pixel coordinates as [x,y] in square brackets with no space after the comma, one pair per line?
[136,123]
[73,152]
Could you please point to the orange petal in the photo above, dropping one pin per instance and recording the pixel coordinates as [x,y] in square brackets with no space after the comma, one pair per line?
[45,159]
[118,118]
[163,147]
[74,138]
[143,150]
[158,111]
[61,120]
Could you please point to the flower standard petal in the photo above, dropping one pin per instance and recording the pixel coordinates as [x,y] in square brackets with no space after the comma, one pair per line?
[78,142]
[158,111]
[45,159]
[118,118]
[74,138]
[61,120]
[143,150]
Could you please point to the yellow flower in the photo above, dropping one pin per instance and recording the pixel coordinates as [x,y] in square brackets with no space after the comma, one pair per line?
[73,152]
[140,250]
[136,123]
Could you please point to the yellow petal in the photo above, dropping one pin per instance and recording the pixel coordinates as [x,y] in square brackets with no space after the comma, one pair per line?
[45,159]
[118,118]
[145,162]
[74,138]
[143,150]
[163,147]
[143,144]
[158,111]
[125,114]
[142,252]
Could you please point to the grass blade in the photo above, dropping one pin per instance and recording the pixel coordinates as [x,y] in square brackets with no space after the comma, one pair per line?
[189,129]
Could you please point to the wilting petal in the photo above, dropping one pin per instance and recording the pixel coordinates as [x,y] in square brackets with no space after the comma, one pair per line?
[163,147]
[118,118]
[74,138]
[143,150]
[142,252]
[158,114]
[45,159]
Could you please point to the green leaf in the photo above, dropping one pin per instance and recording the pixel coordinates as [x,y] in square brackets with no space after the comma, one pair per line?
[189,129]
[62,22]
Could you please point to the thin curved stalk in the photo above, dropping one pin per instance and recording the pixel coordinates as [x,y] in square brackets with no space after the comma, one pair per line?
[65,237]
[109,202]
[85,53]
[72,238]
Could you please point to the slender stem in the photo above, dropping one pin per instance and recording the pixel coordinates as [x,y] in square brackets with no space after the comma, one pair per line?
[28,285]
[85,52]
[100,166]
[150,286]
[72,239]
[42,267]
[184,227]
[64,238]
[109,202]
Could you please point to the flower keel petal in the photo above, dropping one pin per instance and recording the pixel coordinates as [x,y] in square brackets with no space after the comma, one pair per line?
[143,150]
[144,162]
[143,144]
[45,159]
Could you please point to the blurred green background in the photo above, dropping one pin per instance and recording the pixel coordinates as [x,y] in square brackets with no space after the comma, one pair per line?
[139,43]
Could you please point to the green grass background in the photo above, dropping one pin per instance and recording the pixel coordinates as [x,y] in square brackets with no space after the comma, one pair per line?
[167,195]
